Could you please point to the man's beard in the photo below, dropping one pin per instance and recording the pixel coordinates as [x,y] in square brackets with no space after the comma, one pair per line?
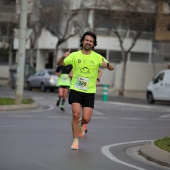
[87,48]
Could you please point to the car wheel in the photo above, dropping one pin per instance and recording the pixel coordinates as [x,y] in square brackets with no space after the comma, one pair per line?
[29,86]
[42,86]
[150,98]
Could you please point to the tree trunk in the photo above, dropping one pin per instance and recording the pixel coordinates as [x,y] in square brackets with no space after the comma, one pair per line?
[123,75]
[32,57]
[55,57]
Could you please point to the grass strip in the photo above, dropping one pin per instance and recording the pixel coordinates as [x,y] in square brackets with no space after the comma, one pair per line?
[163,143]
[11,101]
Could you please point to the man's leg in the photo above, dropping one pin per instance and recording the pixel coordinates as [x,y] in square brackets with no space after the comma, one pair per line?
[65,92]
[76,109]
[60,94]
[86,116]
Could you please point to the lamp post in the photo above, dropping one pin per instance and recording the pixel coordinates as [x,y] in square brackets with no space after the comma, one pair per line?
[21,53]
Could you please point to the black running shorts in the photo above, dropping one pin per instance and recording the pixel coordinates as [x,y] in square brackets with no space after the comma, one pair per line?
[85,99]
[64,87]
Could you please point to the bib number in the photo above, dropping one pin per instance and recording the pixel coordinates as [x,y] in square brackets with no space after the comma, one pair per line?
[65,78]
[82,83]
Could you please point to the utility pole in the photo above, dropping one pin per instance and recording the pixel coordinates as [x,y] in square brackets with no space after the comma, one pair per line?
[21,53]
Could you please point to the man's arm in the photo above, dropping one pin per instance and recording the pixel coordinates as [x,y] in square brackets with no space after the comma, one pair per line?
[57,74]
[99,73]
[71,74]
[57,71]
[99,76]
[60,61]
[107,65]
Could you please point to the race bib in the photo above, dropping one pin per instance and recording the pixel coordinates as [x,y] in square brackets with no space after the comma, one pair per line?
[82,83]
[64,77]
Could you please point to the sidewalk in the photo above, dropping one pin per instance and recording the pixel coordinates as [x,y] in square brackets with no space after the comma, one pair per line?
[127,94]
[19,107]
[154,154]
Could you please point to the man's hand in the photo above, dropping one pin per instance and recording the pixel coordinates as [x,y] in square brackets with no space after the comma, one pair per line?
[104,64]
[107,65]
[61,59]
[67,53]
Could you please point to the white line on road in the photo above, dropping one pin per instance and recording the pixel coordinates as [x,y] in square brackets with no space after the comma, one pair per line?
[165,116]
[159,108]
[50,108]
[97,113]
[131,118]
[129,104]
[107,153]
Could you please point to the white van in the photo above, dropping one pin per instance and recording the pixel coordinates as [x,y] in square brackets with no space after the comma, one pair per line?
[159,88]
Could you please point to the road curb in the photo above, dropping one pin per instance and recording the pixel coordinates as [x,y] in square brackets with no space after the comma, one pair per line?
[155,154]
[19,107]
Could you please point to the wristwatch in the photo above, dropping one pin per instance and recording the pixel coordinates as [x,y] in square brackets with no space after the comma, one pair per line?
[107,65]
[98,79]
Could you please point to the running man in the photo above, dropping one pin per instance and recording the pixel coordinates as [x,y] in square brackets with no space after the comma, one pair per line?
[85,64]
[63,84]
[97,83]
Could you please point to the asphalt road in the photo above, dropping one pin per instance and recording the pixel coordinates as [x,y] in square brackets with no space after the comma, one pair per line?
[40,139]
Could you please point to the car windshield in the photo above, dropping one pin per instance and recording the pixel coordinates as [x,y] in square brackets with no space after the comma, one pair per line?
[51,72]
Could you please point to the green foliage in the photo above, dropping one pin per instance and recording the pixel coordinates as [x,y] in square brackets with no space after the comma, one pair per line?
[163,143]
[11,101]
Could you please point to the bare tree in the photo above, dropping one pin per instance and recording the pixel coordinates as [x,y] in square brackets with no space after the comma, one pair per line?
[56,17]
[133,19]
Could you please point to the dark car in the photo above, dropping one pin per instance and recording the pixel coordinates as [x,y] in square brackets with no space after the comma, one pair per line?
[44,79]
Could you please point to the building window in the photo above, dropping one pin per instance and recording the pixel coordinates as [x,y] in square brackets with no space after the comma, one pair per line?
[159,58]
[115,56]
[4,56]
[139,57]
[101,52]
[8,2]
[167,58]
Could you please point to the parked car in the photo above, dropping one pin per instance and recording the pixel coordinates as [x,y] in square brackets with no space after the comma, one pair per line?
[159,88]
[44,79]
[13,72]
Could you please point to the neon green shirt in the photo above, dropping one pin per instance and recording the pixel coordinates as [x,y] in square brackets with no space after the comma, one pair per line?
[63,80]
[85,70]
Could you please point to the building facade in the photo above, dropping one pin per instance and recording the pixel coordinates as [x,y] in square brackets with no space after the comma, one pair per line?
[7,22]
[144,60]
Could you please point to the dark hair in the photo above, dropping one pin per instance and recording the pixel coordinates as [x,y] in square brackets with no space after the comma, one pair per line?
[90,34]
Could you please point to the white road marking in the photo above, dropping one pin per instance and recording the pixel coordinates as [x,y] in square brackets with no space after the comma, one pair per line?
[50,108]
[129,104]
[97,113]
[107,153]
[156,108]
[165,116]
[132,118]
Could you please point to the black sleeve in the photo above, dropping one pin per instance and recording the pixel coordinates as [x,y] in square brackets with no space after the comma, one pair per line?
[58,69]
[71,67]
